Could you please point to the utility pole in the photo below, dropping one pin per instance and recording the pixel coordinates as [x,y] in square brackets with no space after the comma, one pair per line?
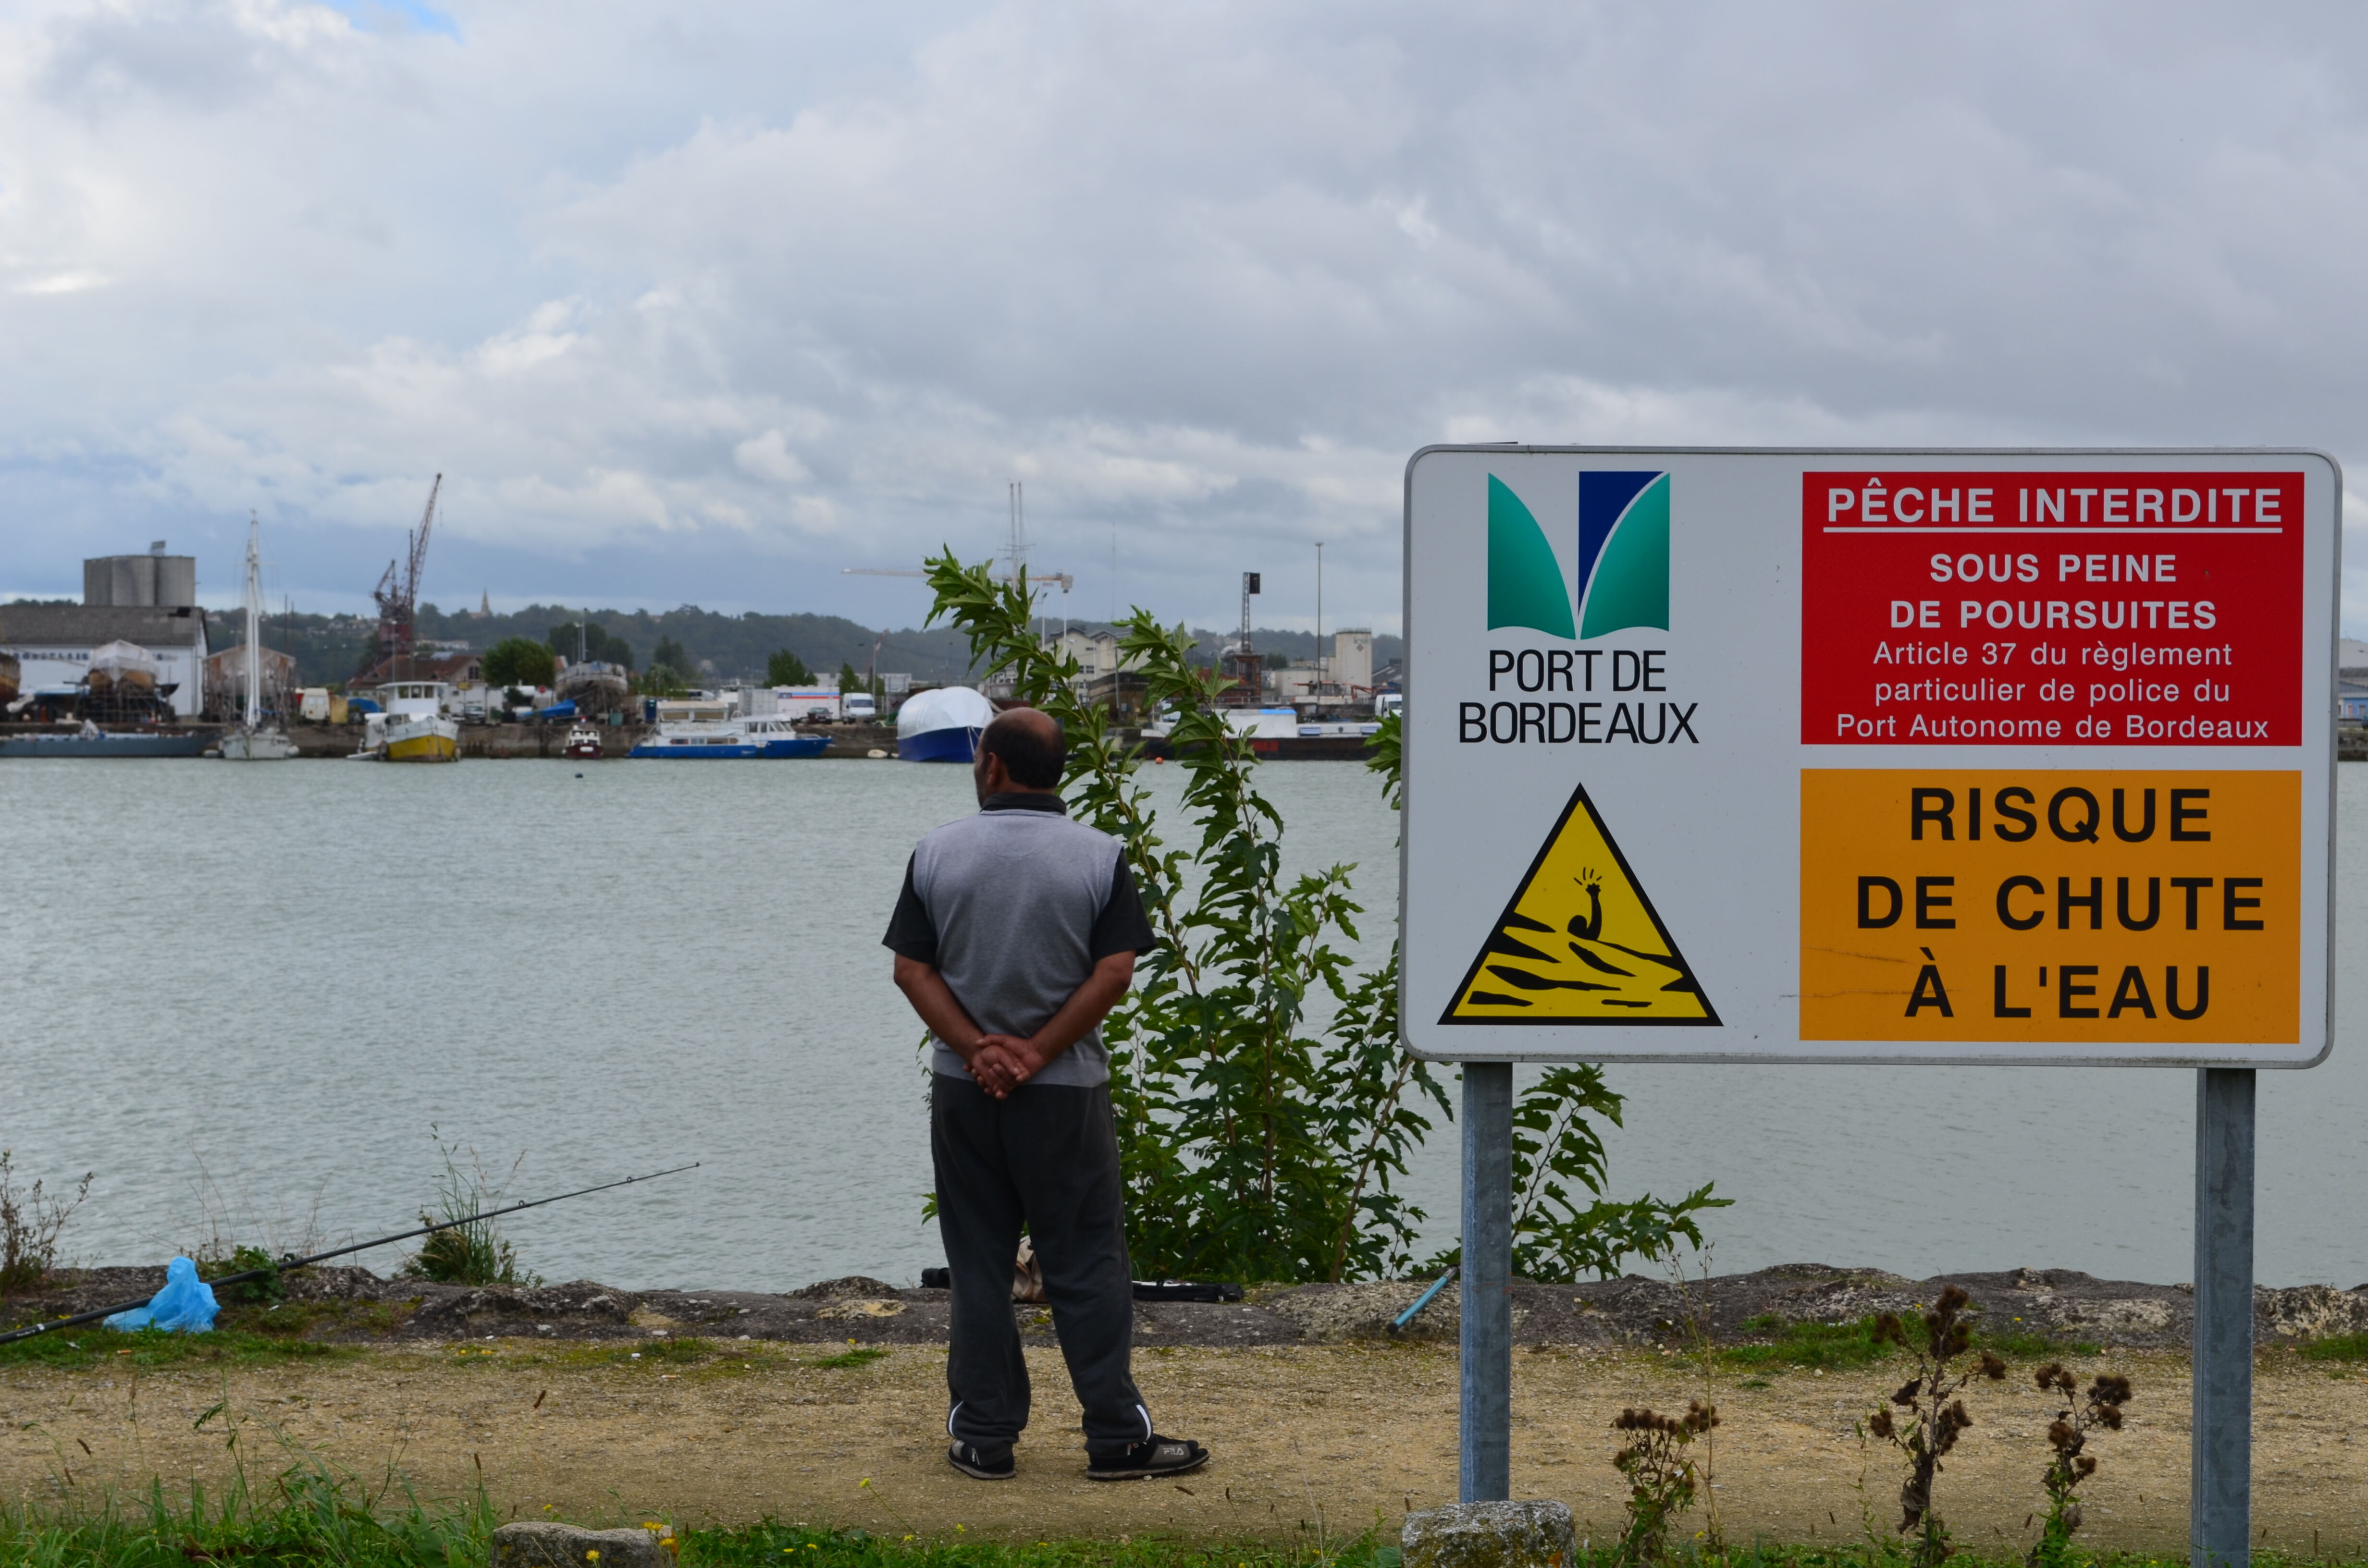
[1319,626]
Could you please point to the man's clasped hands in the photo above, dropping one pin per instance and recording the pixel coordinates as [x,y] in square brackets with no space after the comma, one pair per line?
[1001,1062]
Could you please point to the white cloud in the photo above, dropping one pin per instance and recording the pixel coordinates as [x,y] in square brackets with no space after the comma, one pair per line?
[664,292]
[769,457]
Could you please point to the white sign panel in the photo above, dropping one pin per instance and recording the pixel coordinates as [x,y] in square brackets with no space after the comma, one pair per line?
[1970,756]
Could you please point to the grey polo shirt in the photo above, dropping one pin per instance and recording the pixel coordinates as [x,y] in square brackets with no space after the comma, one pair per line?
[1014,907]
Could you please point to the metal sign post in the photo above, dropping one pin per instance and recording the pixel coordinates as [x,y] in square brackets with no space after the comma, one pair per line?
[2221,1461]
[1976,757]
[1484,1468]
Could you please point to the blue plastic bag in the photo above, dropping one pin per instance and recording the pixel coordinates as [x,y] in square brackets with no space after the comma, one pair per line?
[186,1304]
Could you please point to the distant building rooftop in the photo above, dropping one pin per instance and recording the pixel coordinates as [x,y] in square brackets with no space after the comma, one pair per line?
[87,625]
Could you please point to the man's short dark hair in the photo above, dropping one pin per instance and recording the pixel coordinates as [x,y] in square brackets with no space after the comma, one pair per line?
[1030,743]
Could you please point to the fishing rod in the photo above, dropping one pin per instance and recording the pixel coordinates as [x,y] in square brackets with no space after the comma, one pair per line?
[290,1262]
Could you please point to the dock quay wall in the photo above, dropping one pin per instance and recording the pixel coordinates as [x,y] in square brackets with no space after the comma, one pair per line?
[502,742]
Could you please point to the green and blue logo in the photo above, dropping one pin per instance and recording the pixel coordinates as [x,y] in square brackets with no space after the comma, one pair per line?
[1623,559]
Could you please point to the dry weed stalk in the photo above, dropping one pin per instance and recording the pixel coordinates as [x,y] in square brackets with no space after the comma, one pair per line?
[1695,1313]
[2068,1467]
[1662,1480]
[30,1222]
[1931,1415]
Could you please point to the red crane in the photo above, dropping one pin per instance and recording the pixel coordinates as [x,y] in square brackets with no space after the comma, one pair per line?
[398,599]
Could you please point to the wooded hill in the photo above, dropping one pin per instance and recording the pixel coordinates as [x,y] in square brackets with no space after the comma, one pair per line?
[328,649]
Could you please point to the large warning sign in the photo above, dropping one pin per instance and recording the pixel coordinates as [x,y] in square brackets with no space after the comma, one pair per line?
[1579,943]
[2050,907]
[1868,757]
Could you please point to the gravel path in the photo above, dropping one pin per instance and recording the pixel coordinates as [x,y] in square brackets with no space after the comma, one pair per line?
[1336,1436]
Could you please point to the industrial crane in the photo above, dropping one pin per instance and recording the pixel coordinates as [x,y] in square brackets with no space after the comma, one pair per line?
[398,598]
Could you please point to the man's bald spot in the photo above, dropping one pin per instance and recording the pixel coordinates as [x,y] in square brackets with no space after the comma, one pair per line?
[1030,743]
[1039,724]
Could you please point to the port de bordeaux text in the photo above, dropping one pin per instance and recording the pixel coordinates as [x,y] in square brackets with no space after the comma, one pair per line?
[1595,713]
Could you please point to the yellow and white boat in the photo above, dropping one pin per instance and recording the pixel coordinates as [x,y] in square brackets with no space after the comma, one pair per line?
[414,727]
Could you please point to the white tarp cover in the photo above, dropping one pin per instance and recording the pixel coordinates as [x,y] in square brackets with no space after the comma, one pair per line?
[122,661]
[948,707]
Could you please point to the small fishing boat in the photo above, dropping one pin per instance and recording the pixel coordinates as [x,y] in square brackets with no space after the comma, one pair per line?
[411,726]
[726,738]
[584,743]
[942,725]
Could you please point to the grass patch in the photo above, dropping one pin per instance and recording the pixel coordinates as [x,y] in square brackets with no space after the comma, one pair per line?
[91,1345]
[688,1352]
[2338,1348]
[1841,1346]
[859,1355]
[1829,1346]
[320,1320]
[778,1544]
[2022,1345]
[307,1514]
[698,1357]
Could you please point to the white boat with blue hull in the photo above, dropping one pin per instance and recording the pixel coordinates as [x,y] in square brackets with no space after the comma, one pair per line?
[730,739]
[942,725]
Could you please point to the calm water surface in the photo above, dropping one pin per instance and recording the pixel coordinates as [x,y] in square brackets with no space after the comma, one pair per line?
[242,995]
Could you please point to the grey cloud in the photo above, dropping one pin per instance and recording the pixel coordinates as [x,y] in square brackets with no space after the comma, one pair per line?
[821,284]
[193,55]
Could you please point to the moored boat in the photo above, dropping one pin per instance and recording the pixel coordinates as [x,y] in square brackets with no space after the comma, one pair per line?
[942,725]
[724,739]
[92,740]
[583,743]
[255,741]
[413,727]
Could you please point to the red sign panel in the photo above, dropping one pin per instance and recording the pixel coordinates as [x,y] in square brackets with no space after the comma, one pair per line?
[2051,609]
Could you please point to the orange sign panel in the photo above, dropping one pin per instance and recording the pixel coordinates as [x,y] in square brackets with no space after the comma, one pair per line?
[2051,906]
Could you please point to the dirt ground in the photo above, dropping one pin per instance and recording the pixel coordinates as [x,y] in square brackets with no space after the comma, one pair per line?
[1305,1437]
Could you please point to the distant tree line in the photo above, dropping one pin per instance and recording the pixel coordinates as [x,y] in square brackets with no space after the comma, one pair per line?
[696,645]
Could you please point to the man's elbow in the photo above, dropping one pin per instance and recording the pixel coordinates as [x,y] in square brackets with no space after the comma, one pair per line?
[1118,970]
[910,973]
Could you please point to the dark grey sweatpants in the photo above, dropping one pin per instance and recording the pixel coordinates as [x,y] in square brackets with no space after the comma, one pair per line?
[1047,1155]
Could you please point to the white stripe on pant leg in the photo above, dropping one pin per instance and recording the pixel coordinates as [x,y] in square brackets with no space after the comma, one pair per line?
[949,1417]
[1146,1422]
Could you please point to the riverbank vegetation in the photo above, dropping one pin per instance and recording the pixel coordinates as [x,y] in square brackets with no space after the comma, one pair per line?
[1266,1110]
[309,1516]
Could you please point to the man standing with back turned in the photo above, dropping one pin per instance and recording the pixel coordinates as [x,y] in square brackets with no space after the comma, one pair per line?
[1016,933]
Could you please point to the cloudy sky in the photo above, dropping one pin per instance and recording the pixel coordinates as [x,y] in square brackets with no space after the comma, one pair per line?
[703,301]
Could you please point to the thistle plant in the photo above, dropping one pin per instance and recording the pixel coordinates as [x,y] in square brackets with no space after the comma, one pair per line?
[1662,1479]
[2069,1466]
[1931,1417]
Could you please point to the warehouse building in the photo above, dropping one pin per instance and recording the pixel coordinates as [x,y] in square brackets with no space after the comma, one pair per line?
[148,600]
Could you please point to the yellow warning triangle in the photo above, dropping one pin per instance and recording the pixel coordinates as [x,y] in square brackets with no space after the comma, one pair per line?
[1580,943]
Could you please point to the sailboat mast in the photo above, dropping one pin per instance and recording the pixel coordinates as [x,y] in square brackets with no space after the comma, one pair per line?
[254,623]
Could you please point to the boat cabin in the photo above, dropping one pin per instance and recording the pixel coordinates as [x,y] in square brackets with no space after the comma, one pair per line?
[432,697]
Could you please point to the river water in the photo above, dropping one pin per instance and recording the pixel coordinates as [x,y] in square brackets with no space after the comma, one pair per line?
[243,995]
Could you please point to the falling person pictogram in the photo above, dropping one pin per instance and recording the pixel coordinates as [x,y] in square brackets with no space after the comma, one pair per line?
[1579,944]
